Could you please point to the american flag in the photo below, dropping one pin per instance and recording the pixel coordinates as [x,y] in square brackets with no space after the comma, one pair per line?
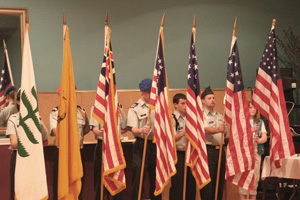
[268,98]
[240,152]
[196,155]
[166,156]
[5,82]
[106,112]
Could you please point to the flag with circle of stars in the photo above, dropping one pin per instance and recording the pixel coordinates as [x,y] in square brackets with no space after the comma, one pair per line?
[4,83]
[240,151]
[268,98]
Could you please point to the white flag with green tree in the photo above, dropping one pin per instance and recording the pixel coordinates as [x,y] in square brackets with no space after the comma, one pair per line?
[30,174]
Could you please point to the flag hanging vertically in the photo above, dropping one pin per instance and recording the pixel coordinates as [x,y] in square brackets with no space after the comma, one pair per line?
[268,98]
[240,152]
[196,154]
[30,173]
[69,164]
[5,82]
[106,112]
[166,155]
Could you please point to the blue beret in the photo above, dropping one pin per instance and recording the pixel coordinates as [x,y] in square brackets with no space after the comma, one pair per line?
[145,85]
[9,89]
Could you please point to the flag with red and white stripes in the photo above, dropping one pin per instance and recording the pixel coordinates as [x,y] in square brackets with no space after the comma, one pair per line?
[6,81]
[166,156]
[196,154]
[268,98]
[106,112]
[240,153]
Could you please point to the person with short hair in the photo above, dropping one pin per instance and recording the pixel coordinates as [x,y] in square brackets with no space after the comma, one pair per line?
[83,129]
[137,124]
[10,94]
[98,130]
[179,120]
[213,127]
[12,133]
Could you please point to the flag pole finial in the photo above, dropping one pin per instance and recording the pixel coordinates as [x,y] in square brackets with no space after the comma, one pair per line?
[64,18]
[234,27]
[273,22]
[106,19]
[194,23]
[163,21]
[4,45]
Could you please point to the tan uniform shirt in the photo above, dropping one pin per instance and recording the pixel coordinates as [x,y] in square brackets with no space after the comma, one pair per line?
[6,113]
[214,120]
[122,122]
[13,124]
[83,123]
[180,144]
[137,117]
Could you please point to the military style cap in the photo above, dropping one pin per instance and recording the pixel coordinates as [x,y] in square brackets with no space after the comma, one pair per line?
[9,89]
[207,91]
[145,85]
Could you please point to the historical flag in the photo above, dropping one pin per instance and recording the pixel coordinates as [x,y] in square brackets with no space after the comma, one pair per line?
[196,154]
[268,98]
[240,152]
[106,112]
[166,156]
[30,174]
[6,80]
[69,164]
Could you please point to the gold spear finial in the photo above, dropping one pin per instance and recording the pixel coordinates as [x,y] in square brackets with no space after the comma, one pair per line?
[234,27]
[163,21]
[64,19]
[194,24]
[106,19]
[273,22]
[4,45]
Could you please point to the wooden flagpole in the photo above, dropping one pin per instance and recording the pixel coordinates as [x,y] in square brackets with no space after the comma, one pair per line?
[222,136]
[145,140]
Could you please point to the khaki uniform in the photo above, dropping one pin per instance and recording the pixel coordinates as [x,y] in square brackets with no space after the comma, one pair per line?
[122,121]
[138,115]
[6,113]
[176,190]
[83,128]
[12,129]
[214,120]
[98,152]
[82,120]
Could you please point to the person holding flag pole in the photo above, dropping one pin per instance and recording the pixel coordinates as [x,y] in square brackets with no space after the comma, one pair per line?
[106,113]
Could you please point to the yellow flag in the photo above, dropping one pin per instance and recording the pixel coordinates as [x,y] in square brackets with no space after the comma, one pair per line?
[69,164]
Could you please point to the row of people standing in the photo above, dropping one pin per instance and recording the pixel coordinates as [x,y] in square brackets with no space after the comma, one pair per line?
[137,124]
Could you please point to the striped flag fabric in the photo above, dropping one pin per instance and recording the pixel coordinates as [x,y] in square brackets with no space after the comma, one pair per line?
[196,154]
[268,98]
[106,112]
[166,156]
[5,82]
[70,168]
[240,151]
[30,172]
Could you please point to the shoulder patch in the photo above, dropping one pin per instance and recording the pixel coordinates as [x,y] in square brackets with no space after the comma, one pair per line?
[55,109]
[134,105]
